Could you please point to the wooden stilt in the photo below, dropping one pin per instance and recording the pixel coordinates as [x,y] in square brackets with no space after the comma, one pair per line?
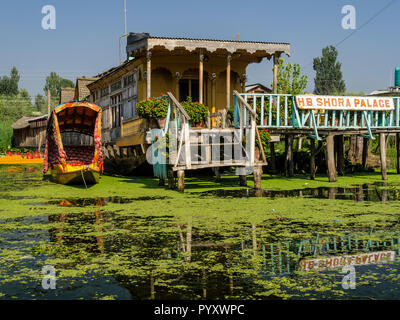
[171,178]
[181,180]
[273,162]
[217,174]
[398,152]
[286,156]
[312,159]
[257,173]
[330,158]
[243,181]
[340,154]
[290,155]
[365,152]
[289,165]
[382,141]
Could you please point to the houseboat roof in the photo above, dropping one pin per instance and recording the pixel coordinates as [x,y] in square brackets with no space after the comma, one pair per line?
[45,116]
[21,123]
[139,42]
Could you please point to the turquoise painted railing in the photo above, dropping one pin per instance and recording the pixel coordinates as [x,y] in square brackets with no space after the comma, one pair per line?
[279,111]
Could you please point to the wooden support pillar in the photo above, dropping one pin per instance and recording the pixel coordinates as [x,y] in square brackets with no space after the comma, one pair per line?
[257,174]
[365,152]
[273,158]
[330,158]
[228,82]
[201,74]
[181,180]
[148,71]
[275,75]
[312,159]
[382,142]
[217,174]
[289,164]
[171,178]
[398,152]
[340,154]
[243,181]
[177,78]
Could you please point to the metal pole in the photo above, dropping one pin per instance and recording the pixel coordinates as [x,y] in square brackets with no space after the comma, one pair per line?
[126,30]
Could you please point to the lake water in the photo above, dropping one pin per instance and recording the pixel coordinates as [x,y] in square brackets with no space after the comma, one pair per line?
[132,247]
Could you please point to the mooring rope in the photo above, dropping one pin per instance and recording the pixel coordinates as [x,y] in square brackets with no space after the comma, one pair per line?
[83,178]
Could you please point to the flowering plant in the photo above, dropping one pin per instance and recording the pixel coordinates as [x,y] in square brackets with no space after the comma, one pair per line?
[153,108]
[265,137]
[197,112]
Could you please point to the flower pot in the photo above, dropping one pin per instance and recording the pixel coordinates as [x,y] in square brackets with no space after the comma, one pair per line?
[198,124]
[153,123]
[161,122]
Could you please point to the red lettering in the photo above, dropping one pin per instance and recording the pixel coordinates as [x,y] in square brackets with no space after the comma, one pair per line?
[319,102]
[341,102]
[327,102]
[309,102]
[381,103]
[356,102]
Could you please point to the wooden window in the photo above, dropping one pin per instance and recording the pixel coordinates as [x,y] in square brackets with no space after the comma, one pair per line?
[116,86]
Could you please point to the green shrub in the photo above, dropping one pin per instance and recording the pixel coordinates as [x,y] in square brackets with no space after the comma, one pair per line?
[197,112]
[153,108]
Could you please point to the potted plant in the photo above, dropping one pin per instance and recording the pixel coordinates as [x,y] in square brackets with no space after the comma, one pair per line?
[154,109]
[197,112]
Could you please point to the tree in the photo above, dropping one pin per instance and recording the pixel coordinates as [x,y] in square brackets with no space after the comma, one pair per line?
[289,80]
[54,83]
[40,103]
[328,78]
[9,85]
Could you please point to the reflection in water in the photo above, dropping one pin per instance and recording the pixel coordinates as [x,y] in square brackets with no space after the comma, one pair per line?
[187,262]
[235,255]
[377,192]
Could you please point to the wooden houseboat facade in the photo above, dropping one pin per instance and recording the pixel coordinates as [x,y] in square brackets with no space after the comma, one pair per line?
[209,71]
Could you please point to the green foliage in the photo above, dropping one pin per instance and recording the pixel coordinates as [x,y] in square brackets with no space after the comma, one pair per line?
[328,78]
[265,137]
[11,109]
[9,85]
[355,94]
[197,112]
[40,103]
[54,83]
[153,108]
[289,78]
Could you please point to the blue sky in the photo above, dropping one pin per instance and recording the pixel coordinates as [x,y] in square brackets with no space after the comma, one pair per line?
[85,41]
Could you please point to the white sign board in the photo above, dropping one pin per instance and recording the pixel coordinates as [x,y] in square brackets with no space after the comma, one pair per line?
[350,260]
[344,103]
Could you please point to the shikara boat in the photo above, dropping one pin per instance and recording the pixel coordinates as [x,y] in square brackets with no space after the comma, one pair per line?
[73,144]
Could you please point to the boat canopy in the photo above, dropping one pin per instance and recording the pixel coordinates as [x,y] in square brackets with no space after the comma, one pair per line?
[80,117]
[77,116]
